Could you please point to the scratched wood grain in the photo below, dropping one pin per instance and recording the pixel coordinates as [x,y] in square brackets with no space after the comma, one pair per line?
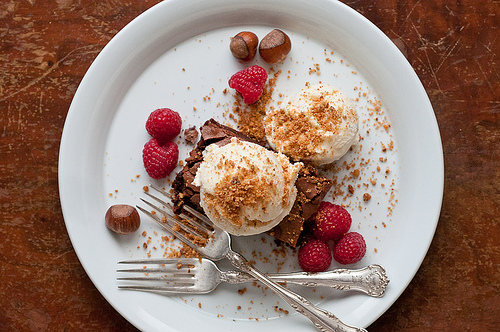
[46,48]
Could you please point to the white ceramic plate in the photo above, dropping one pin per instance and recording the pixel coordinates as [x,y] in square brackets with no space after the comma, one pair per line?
[176,55]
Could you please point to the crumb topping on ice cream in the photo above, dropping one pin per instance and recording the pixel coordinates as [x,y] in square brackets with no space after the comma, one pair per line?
[317,125]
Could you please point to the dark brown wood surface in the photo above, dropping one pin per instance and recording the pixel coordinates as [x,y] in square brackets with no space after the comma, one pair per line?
[46,48]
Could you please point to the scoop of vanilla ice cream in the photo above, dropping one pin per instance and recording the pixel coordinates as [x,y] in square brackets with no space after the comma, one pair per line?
[317,125]
[245,188]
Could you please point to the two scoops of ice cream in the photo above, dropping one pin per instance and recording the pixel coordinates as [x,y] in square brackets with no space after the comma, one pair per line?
[248,189]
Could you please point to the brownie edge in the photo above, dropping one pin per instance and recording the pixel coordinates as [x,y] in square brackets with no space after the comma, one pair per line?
[311,187]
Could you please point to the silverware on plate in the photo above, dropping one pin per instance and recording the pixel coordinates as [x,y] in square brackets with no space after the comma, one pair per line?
[200,276]
[197,231]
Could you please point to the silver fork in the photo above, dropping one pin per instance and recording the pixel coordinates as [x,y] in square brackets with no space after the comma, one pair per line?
[201,276]
[218,246]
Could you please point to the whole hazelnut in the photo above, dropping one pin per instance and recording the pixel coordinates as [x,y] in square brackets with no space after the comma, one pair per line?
[244,45]
[275,46]
[122,219]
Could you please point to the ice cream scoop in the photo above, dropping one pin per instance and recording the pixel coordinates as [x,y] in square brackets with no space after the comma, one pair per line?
[245,188]
[318,125]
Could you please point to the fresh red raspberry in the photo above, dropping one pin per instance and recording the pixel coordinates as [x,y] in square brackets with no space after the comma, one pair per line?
[331,222]
[350,249]
[249,83]
[164,124]
[315,256]
[160,160]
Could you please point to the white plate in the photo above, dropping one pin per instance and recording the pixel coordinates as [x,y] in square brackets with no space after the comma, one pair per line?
[176,55]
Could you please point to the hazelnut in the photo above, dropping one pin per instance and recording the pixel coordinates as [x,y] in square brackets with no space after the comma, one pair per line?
[122,219]
[275,46]
[244,45]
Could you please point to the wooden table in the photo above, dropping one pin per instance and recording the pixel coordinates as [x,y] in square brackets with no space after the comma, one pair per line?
[46,48]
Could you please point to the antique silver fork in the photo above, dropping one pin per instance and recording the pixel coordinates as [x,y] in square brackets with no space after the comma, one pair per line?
[215,244]
[201,276]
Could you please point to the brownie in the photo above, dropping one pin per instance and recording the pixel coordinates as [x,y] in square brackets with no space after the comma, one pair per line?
[311,187]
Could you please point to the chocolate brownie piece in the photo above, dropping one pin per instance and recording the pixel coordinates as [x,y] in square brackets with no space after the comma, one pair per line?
[311,187]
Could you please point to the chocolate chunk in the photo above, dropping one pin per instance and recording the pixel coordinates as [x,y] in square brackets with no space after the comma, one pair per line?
[212,133]
[195,199]
[308,185]
[188,180]
[191,134]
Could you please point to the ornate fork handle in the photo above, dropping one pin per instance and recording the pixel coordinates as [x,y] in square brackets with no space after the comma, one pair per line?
[371,280]
[322,319]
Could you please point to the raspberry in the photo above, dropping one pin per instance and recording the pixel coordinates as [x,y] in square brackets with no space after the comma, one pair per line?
[249,83]
[159,160]
[331,222]
[315,256]
[350,249]
[164,124]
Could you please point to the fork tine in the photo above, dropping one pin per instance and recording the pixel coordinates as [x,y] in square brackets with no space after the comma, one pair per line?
[196,224]
[195,229]
[187,208]
[157,270]
[164,289]
[198,215]
[177,280]
[169,228]
[161,191]
[163,261]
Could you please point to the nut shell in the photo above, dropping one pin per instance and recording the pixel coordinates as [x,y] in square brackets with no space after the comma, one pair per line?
[243,46]
[275,46]
[122,219]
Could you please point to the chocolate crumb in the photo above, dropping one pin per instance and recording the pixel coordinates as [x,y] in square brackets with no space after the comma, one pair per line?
[191,134]
[351,189]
